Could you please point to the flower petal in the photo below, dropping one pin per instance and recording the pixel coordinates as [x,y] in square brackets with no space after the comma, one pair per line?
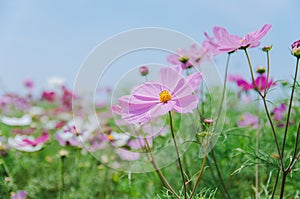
[186,104]
[169,77]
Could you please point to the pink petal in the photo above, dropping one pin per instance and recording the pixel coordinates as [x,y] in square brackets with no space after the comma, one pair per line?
[188,85]
[261,32]
[186,104]
[170,77]
[148,91]
[43,138]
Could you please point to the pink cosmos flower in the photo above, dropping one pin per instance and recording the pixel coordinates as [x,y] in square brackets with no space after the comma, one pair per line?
[260,82]
[67,97]
[248,120]
[227,43]
[152,99]
[28,143]
[11,100]
[278,114]
[48,96]
[188,58]
[76,131]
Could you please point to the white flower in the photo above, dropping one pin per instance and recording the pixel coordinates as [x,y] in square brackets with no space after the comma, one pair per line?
[19,144]
[14,121]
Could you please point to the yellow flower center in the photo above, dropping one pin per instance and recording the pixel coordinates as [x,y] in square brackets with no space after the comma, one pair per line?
[110,137]
[164,96]
[184,59]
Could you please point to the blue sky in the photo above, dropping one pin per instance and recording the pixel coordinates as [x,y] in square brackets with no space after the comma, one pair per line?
[40,39]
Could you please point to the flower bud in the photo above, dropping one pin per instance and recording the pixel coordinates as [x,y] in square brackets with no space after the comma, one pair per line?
[284,83]
[296,48]
[267,48]
[261,70]
[208,121]
[144,70]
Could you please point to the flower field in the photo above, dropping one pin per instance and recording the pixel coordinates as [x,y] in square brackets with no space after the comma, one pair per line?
[172,137]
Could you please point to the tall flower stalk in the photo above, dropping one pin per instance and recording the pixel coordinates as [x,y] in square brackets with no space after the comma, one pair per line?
[178,156]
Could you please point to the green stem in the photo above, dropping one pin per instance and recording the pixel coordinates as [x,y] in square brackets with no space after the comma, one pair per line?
[157,170]
[295,157]
[283,184]
[7,173]
[199,177]
[217,121]
[224,89]
[219,173]
[62,179]
[178,155]
[268,73]
[185,164]
[290,108]
[5,167]
[275,185]
[256,151]
[266,110]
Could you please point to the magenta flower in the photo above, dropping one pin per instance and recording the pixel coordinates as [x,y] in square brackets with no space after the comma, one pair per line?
[260,82]
[248,120]
[152,99]
[49,96]
[67,98]
[188,58]
[28,143]
[42,139]
[227,43]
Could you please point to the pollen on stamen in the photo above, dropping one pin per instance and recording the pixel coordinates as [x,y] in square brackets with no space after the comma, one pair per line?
[164,96]
[110,137]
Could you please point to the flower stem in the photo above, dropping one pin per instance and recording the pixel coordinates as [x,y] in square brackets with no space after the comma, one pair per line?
[158,171]
[217,121]
[199,177]
[266,110]
[256,151]
[178,155]
[268,73]
[275,185]
[62,179]
[5,167]
[7,173]
[283,184]
[219,173]
[295,156]
[224,89]
[290,108]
